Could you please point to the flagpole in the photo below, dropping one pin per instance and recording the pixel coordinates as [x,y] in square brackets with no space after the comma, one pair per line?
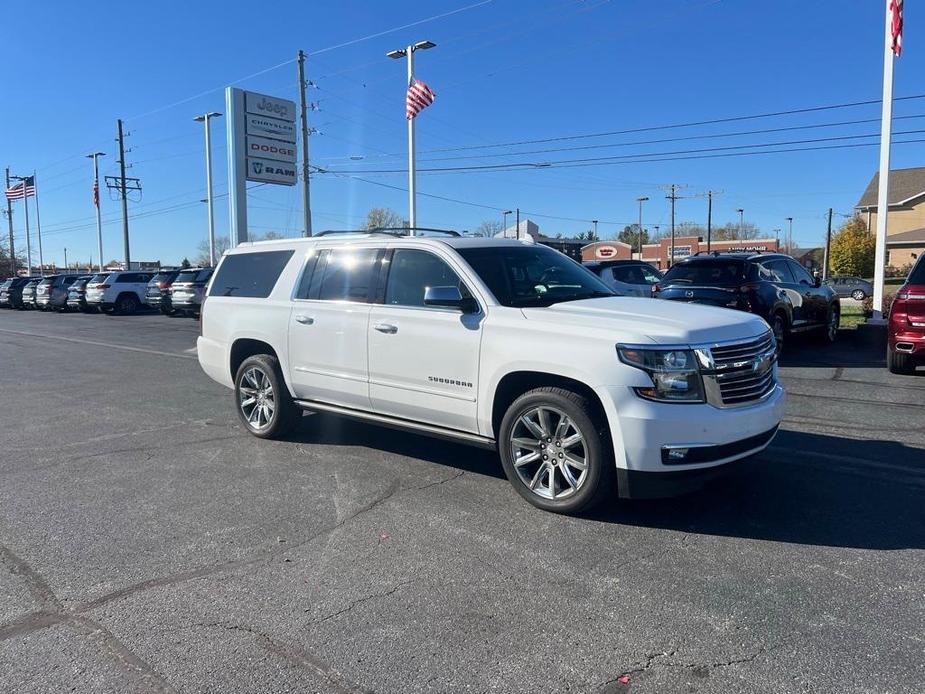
[38,223]
[25,202]
[883,194]
[96,202]
[412,198]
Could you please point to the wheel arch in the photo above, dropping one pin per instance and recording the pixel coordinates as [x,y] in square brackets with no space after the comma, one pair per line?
[515,383]
[244,347]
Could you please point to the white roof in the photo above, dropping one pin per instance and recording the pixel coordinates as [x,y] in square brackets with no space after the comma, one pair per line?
[376,239]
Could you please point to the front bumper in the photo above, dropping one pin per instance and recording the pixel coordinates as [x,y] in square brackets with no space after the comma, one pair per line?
[643,432]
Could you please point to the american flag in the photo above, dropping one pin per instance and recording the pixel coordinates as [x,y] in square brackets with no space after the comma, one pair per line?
[896,26]
[15,192]
[419,97]
[96,192]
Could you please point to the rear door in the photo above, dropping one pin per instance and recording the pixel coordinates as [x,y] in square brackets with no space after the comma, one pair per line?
[784,279]
[815,298]
[423,360]
[328,350]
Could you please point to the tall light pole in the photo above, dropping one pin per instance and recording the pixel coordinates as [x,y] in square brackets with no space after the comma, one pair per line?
[741,221]
[790,236]
[504,219]
[594,222]
[639,234]
[205,118]
[408,52]
[96,202]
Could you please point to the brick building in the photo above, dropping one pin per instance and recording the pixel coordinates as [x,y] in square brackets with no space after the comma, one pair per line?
[905,225]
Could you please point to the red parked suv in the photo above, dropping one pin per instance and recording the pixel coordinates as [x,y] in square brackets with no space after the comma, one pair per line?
[906,342]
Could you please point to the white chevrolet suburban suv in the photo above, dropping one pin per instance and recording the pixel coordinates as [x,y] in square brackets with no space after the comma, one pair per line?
[497,343]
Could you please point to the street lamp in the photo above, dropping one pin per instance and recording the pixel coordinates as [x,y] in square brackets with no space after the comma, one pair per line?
[790,235]
[594,222]
[639,231]
[408,52]
[205,118]
[741,221]
[504,215]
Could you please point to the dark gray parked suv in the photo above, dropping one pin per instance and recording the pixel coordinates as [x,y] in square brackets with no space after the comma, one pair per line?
[51,292]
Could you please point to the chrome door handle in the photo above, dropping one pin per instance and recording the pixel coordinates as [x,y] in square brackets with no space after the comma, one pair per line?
[304,320]
[386,328]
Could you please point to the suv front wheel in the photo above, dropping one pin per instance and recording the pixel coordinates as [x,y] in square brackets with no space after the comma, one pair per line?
[556,450]
[261,398]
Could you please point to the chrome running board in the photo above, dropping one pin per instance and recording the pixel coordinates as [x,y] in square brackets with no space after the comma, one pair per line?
[398,423]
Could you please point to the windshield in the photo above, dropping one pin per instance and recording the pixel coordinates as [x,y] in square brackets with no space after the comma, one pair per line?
[532,275]
[98,278]
[706,272]
[200,275]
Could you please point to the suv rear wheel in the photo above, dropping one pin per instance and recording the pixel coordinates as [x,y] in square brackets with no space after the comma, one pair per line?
[832,321]
[779,328]
[555,450]
[899,362]
[126,304]
[261,398]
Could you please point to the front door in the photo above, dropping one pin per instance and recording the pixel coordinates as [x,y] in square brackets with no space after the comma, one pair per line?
[327,327]
[423,360]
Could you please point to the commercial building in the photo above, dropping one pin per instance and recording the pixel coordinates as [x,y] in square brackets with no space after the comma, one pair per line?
[905,230]
[530,230]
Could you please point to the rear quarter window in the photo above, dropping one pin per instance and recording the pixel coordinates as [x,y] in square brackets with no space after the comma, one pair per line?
[917,276]
[251,275]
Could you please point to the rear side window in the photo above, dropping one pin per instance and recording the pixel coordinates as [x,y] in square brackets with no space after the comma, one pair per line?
[250,275]
[348,274]
[917,276]
[780,272]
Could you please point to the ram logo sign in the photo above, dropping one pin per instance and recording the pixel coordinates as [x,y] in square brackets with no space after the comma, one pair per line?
[269,171]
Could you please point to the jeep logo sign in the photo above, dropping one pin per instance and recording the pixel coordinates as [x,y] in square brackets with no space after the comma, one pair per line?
[270,149]
[264,105]
[269,171]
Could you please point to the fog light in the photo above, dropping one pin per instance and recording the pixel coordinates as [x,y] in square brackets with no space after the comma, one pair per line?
[677,454]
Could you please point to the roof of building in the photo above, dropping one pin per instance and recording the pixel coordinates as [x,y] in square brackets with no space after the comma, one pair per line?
[529,228]
[914,236]
[905,184]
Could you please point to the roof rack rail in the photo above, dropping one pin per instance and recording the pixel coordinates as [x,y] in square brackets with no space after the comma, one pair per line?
[388,231]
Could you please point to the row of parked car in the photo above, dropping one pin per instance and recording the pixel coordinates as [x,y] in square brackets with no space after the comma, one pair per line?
[169,291]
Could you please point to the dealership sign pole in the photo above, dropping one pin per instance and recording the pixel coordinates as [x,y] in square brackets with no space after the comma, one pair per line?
[261,147]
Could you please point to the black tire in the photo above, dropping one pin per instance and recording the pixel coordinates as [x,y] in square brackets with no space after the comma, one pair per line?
[285,412]
[596,484]
[829,332]
[858,295]
[899,362]
[126,305]
[779,328]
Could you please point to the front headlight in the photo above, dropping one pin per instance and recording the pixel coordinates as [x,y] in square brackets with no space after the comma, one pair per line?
[674,373]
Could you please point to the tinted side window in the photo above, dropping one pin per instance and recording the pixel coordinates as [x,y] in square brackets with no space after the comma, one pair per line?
[348,275]
[412,272]
[305,284]
[779,271]
[800,273]
[249,274]
[917,276]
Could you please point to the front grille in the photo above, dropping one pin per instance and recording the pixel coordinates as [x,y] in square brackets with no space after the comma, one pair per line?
[742,373]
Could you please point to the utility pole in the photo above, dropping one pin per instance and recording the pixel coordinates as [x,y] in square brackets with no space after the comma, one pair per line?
[518,222]
[128,255]
[790,236]
[303,107]
[9,219]
[673,197]
[709,219]
[639,231]
[828,244]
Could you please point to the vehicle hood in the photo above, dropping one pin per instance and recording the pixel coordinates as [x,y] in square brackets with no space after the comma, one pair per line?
[661,322]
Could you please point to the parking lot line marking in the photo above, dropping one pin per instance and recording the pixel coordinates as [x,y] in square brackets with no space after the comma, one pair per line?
[99,344]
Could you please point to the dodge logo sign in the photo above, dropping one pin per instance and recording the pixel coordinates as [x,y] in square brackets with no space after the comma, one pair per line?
[270,149]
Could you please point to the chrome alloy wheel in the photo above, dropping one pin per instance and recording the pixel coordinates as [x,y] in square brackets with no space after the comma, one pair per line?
[256,398]
[549,453]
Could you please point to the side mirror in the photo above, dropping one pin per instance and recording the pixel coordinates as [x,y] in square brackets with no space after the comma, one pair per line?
[450,297]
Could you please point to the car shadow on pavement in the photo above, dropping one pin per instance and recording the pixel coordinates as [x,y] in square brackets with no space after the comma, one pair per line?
[808,489]
[851,350]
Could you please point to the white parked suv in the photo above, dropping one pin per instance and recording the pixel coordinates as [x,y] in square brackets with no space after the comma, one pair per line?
[119,292]
[496,343]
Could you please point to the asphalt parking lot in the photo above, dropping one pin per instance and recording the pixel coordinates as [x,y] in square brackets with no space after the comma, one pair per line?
[148,544]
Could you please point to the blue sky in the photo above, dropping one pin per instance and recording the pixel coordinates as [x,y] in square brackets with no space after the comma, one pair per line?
[503,70]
